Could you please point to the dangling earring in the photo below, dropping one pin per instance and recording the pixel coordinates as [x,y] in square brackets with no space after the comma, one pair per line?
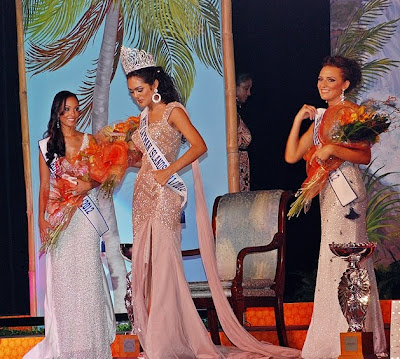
[342,97]
[156,98]
[58,122]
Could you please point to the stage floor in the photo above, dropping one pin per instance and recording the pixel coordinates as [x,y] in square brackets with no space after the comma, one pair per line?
[260,323]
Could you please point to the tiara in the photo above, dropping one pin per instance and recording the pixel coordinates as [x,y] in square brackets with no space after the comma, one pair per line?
[135,59]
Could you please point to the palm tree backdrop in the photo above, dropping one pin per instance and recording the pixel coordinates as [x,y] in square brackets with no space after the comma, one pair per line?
[361,40]
[174,31]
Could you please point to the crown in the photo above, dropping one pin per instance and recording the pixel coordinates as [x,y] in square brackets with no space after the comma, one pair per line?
[135,59]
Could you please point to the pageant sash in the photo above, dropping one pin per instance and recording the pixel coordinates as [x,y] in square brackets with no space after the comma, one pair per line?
[94,216]
[88,207]
[158,160]
[344,193]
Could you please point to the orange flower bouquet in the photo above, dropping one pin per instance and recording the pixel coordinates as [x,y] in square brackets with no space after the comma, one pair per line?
[62,204]
[110,156]
[345,126]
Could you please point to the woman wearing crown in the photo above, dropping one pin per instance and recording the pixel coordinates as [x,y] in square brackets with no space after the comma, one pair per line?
[166,320]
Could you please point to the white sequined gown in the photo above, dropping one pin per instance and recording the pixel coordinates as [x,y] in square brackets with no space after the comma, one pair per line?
[323,336]
[79,318]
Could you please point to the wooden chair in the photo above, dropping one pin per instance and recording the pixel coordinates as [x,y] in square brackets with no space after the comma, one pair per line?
[250,235]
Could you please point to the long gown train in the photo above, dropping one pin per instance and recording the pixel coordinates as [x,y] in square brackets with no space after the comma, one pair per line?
[166,319]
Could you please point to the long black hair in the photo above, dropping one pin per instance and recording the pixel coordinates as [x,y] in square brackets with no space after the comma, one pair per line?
[56,143]
[166,87]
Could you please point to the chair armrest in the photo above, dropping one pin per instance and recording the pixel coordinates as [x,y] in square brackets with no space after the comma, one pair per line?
[276,243]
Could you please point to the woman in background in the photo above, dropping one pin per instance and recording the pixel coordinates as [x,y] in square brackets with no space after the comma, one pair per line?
[244,83]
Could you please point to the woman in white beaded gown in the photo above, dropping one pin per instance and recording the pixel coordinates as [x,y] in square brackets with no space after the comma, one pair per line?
[79,318]
[340,224]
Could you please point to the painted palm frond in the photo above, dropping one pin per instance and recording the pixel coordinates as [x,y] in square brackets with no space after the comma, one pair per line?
[173,31]
[383,209]
[29,8]
[372,70]
[50,20]
[56,55]
[177,60]
[361,39]
[195,29]
[85,94]
[208,46]
[362,42]
[178,17]
[174,56]
[170,51]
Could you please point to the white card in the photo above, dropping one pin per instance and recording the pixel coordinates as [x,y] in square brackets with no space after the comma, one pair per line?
[341,187]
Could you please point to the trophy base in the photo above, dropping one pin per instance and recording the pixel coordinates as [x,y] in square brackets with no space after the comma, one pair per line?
[358,345]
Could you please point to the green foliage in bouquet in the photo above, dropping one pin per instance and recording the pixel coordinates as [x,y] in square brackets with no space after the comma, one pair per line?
[365,131]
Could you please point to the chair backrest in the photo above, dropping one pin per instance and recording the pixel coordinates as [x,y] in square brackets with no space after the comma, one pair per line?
[247,219]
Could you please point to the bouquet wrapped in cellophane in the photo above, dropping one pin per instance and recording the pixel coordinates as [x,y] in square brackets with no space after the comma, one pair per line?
[348,126]
[62,202]
[110,156]
[104,161]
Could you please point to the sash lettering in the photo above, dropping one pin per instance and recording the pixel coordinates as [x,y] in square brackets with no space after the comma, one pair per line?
[344,193]
[158,160]
[88,207]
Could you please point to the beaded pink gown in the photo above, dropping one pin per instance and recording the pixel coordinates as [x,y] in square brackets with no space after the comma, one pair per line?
[165,318]
[159,288]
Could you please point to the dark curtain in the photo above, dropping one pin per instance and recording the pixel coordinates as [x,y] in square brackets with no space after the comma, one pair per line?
[282,44]
[14,298]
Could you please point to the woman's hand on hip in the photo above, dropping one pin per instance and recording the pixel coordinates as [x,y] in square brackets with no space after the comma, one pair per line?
[162,176]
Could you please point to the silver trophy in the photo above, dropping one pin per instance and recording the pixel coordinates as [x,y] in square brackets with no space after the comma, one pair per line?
[354,287]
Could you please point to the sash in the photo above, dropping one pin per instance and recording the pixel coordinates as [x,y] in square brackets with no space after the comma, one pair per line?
[157,159]
[88,207]
[343,191]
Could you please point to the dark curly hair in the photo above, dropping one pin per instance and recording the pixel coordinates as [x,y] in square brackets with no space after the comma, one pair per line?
[351,69]
[56,143]
[166,87]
